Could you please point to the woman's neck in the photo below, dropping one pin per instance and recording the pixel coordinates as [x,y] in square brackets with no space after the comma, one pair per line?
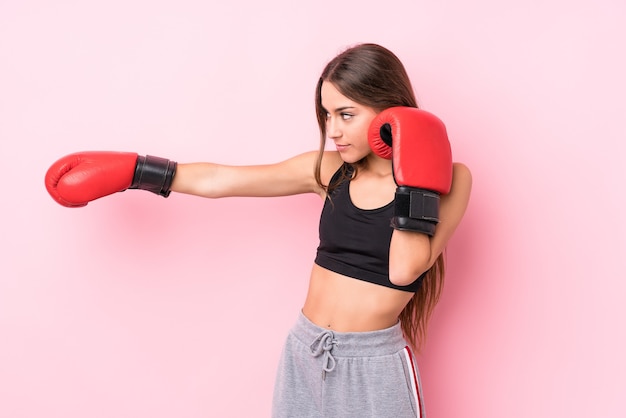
[374,165]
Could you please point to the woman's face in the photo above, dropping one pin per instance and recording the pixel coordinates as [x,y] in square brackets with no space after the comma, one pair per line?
[347,123]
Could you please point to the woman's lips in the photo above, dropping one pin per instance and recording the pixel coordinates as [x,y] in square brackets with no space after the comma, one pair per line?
[341,147]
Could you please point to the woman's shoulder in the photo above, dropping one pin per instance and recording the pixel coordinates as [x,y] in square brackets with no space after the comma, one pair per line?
[303,167]
[331,162]
[461,186]
[461,173]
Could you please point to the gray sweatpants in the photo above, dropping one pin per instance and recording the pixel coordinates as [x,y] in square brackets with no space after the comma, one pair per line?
[323,373]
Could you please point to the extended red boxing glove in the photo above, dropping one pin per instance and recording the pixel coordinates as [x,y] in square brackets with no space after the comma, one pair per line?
[79,178]
[417,143]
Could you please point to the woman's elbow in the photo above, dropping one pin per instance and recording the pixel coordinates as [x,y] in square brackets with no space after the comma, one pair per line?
[403,274]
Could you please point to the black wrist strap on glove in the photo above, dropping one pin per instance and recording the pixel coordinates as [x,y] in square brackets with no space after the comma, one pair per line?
[154,174]
[416,210]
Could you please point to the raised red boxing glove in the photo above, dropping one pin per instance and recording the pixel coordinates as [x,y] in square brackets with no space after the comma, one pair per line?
[79,178]
[417,143]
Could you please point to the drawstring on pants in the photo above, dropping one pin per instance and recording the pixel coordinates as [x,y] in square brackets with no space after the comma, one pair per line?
[323,344]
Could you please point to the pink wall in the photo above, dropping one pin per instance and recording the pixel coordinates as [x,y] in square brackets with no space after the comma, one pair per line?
[137,306]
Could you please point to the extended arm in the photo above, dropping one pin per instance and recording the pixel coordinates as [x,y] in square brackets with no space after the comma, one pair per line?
[77,179]
[292,176]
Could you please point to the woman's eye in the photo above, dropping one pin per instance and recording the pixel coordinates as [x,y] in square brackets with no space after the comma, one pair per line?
[346,116]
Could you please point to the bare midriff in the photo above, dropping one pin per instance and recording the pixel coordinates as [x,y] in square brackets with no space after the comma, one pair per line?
[345,304]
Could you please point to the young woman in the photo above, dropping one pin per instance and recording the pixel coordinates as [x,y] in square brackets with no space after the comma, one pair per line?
[393,198]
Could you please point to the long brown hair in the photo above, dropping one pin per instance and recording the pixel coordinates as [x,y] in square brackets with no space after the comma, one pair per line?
[373,76]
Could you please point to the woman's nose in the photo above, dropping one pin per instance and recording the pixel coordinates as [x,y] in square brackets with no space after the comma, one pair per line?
[332,128]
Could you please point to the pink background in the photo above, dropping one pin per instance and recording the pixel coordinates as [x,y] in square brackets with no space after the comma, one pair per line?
[137,306]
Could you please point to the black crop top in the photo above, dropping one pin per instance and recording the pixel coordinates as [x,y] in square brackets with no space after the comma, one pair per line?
[355,242]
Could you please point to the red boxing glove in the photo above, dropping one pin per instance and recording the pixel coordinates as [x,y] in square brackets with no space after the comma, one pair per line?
[79,178]
[417,143]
